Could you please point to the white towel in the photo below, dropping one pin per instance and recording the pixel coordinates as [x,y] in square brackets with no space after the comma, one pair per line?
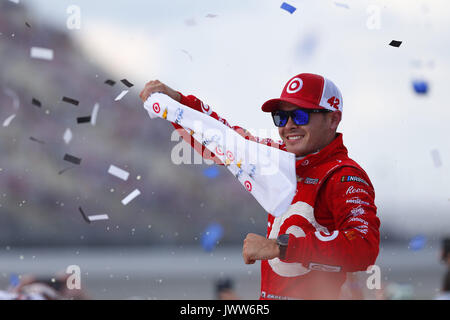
[266,172]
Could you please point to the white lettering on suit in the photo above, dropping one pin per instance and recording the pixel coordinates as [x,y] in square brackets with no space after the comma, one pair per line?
[306,211]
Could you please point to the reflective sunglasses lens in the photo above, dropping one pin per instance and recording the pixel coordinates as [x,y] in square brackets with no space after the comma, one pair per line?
[280,118]
[300,117]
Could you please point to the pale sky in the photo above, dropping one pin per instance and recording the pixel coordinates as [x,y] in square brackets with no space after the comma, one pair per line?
[245,53]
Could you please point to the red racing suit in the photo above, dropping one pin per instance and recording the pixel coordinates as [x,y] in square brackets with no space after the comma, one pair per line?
[332,224]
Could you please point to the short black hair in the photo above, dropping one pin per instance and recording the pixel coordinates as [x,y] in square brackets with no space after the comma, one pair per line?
[224,284]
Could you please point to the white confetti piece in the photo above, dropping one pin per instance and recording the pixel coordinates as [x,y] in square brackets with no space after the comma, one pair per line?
[67,136]
[15,1]
[117,172]
[8,120]
[121,95]
[190,22]
[10,93]
[41,53]
[98,217]
[436,157]
[130,197]
[190,57]
[94,114]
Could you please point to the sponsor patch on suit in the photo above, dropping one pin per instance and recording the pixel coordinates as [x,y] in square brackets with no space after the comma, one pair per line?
[353,179]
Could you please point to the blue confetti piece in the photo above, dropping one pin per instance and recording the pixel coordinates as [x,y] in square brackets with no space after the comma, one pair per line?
[14,280]
[417,243]
[211,172]
[420,86]
[288,7]
[212,234]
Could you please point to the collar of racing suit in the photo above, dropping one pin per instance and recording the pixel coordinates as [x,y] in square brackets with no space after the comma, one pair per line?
[335,147]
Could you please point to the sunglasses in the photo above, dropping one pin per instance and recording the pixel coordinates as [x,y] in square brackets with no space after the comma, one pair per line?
[299,116]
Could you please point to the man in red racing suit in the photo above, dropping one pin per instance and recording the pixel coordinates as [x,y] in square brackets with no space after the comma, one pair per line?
[331,227]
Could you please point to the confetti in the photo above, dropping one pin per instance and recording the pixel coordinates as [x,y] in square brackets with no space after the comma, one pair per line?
[67,136]
[84,119]
[41,53]
[288,7]
[436,158]
[10,93]
[395,43]
[190,22]
[212,234]
[71,101]
[72,159]
[190,57]
[15,1]
[37,140]
[64,170]
[94,114]
[98,217]
[127,83]
[130,197]
[84,215]
[8,120]
[119,173]
[417,243]
[342,5]
[14,280]
[211,172]
[110,82]
[36,103]
[121,95]
[420,86]
[210,15]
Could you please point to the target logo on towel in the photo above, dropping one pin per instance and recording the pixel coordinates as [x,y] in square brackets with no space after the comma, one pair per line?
[230,155]
[294,86]
[206,109]
[156,107]
[248,186]
[219,151]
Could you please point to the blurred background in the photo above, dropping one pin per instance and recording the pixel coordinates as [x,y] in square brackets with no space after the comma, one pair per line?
[181,238]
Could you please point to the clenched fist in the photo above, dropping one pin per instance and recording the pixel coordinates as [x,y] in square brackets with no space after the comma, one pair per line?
[257,247]
[157,86]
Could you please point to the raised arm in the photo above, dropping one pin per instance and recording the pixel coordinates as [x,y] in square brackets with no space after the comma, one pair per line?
[196,104]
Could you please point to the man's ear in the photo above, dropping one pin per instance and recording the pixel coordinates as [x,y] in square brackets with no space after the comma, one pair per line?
[335,119]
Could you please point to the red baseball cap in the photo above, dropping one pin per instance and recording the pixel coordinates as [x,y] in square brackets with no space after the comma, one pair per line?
[308,91]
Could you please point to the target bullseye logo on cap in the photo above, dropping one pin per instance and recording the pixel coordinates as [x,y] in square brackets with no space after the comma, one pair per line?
[294,86]
[156,107]
[248,185]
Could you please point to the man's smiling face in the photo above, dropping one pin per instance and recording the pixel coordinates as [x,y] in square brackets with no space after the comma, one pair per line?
[309,138]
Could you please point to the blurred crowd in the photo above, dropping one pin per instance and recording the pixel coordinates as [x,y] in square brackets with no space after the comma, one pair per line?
[39,197]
